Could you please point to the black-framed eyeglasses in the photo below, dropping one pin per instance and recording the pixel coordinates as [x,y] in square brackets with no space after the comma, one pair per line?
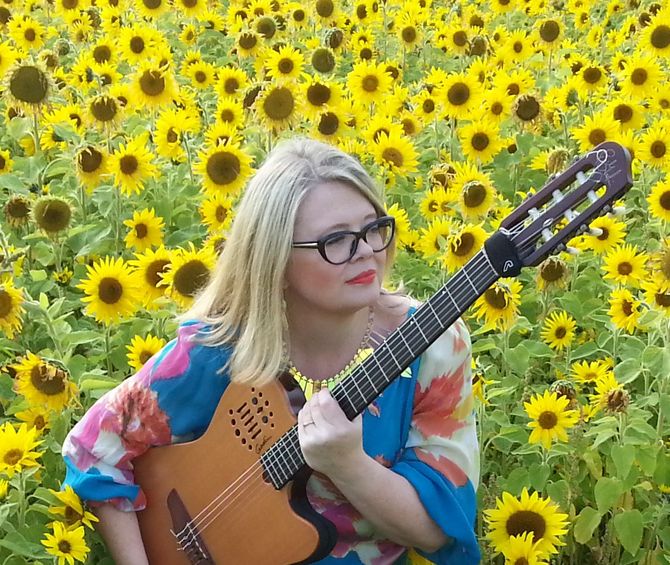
[340,246]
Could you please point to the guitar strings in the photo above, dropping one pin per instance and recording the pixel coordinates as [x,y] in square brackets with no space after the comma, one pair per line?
[223,501]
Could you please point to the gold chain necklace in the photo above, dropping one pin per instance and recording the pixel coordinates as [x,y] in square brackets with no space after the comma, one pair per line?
[311,386]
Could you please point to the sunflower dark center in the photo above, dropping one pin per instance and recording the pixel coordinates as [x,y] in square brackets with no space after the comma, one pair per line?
[526,521]
[660,37]
[6,303]
[474,194]
[460,38]
[152,4]
[623,113]
[664,261]
[592,75]
[624,268]
[428,106]
[521,561]
[323,60]
[12,457]
[528,108]
[49,382]
[154,271]
[627,307]
[72,516]
[496,298]
[247,41]
[266,27]
[393,156]
[279,104]
[480,141]
[152,83]
[409,34]
[223,167]
[89,159]
[550,30]
[5,15]
[128,164]
[30,34]
[137,44]
[145,356]
[496,108]
[517,46]
[547,420]
[29,84]
[299,15]
[318,94]
[664,200]
[53,215]
[189,3]
[104,108]
[325,8]
[597,136]
[408,126]
[190,277]
[370,83]
[64,546]
[639,76]
[110,290]
[552,270]
[3,162]
[328,123]
[17,208]
[141,231]
[513,89]
[285,66]
[221,213]
[200,76]
[463,245]
[658,149]
[172,136]
[102,54]
[231,85]
[458,94]
[560,332]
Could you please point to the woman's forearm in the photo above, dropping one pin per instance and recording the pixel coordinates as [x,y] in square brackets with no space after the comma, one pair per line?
[390,502]
[121,532]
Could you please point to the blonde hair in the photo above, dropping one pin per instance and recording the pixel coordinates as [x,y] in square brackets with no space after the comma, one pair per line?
[243,303]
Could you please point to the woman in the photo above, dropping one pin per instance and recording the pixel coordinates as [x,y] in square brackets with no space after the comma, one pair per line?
[293,293]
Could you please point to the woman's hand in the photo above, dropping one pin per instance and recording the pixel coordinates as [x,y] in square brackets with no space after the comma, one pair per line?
[330,442]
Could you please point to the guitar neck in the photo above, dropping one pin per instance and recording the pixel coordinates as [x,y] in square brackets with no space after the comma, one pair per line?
[354,394]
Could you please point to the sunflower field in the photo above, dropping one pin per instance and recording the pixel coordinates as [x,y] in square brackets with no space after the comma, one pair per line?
[130,127]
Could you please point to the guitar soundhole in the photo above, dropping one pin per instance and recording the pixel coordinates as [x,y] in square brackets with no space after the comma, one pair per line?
[253,422]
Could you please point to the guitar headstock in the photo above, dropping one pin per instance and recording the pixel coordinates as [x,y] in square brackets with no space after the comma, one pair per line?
[585,190]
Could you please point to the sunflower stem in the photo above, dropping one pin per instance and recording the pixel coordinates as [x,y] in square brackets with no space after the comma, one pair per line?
[108,350]
[189,160]
[36,129]
[82,202]
[117,223]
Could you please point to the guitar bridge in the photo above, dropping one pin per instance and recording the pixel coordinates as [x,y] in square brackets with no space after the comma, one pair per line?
[186,532]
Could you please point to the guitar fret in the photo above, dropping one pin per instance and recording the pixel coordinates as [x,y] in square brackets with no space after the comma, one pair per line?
[390,351]
[381,369]
[369,379]
[446,289]
[486,255]
[465,273]
[418,326]
[411,351]
[435,314]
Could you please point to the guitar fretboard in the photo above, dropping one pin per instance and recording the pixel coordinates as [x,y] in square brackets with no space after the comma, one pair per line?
[284,459]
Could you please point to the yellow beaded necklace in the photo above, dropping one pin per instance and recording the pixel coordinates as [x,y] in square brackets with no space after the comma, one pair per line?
[311,386]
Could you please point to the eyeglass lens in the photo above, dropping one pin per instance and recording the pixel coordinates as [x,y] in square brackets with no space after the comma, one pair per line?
[342,247]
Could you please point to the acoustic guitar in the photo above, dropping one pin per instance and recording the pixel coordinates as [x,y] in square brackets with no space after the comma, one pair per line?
[236,495]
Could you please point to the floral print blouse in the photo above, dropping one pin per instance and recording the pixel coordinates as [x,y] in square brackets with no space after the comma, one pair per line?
[422,426]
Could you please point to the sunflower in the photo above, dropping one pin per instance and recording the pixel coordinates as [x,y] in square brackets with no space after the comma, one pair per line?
[131,165]
[558,330]
[629,113]
[248,43]
[71,509]
[137,43]
[462,245]
[43,383]
[641,76]
[426,105]
[480,141]
[6,163]
[369,82]
[403,227]
[230,111]
[37,417]
[217,212]
[624,310]
[549,33]
[150,267]
[105,110]
[625,265]
[433,239]
[8,56]
[411,123]
[518,47]
[529,514]
[52,214]
[321,96]
[278,106]
[17,211]
[265,26]
[90,166]
[552,273]
[154,85]
[168,135]
[499,305]
[231,81]
[595,130]
[201,73]
[224,168]
[550,418]
[142,349]
[408,30]
[152,9]
[497,105]
[655,146]
[11,308]
[655,37]
[516,82]
[285,64]
[111,289]
[660,264]
[146,230]
[589,371]
[459,95]
[657,295]
[66,545]
[17,448]
[189,34]
[188,273]
[28,86]
[609,394]
[395,153]
[612,234]
[27,33]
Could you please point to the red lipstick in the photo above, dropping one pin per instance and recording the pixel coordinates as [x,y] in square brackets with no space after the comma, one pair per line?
[366,277]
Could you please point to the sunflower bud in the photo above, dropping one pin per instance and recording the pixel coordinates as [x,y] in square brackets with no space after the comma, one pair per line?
[17,211]
[323,60]
[333,37]
[557,160]
[566,389]
[52,214]
[618,400]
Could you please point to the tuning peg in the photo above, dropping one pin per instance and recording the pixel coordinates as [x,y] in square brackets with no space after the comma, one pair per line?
[581,177]
[618,210]
[595,232]
[573,250]
[593,197]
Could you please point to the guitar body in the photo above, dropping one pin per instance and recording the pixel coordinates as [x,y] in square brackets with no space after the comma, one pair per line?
[245,519]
